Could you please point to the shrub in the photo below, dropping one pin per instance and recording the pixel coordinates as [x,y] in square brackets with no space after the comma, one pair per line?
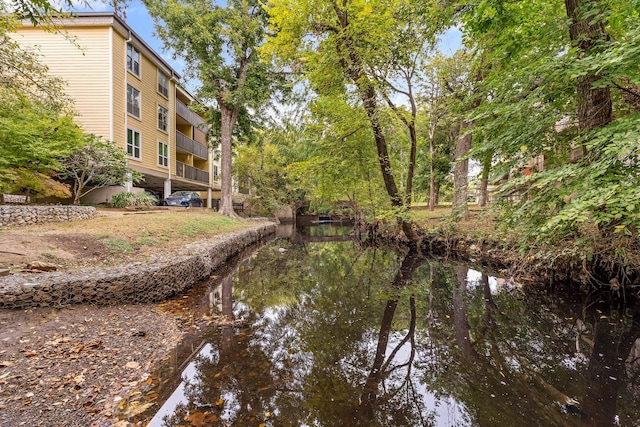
[133,200]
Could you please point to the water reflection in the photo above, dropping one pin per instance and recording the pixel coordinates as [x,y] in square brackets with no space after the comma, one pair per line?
[334,334]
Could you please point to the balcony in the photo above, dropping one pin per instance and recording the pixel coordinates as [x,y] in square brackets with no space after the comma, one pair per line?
[189,172]
[194,120]
[183,142]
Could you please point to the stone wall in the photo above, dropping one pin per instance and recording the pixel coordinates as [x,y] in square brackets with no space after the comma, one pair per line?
[27,215]
[155,280]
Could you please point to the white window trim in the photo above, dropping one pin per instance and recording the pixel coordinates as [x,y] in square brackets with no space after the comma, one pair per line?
[139,75]
[158,84]
[167,156]
[134,130]
[166,119]
[139,97]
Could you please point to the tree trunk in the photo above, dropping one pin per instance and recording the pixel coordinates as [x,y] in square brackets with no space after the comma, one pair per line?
[483,197]
[412,163]
[461,320]
[353,67]
[228,121]
[368,97]
[586,32]
[432,177]
[461,171]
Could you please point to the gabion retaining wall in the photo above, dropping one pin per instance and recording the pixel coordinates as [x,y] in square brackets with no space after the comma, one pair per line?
[152,281]
[27,215]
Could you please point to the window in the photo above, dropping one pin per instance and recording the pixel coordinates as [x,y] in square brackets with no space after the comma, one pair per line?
[215,172]
[162,118]
[133,143]
[133,101]
[163,84]
[133,60]
[163,154]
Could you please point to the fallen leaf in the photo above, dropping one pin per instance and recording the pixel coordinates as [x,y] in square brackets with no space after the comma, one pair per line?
[196,419]
[132,365]
[135,409]
[5,363]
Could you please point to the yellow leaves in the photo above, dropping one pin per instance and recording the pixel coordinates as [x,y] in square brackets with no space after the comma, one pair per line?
[129,409]
[366,11]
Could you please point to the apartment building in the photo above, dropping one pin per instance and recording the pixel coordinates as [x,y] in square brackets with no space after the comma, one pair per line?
[126,92]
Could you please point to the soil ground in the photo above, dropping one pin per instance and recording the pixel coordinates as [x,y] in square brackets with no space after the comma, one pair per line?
[87,365]
[114,236]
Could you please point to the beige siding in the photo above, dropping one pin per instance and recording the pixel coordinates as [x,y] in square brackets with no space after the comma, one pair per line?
[85,68]
[119,90]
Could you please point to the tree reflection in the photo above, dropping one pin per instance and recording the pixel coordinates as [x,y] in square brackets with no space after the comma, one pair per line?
[614,338]
[365,412]
[233,382]
[339,335]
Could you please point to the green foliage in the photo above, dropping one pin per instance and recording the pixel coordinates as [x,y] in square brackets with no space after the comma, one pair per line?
[99,163]
[36,184]
[531,108]
[593,194]
[140,200]
[40,11]
[36,118]
[354,54]
[34,136]
[22,75]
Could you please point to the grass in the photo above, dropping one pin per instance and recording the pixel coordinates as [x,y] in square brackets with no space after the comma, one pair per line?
[126,232]
[479,225]
[118,245]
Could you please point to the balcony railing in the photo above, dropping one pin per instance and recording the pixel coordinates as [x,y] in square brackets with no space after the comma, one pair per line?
[189,145]
[189,172]
[183,111]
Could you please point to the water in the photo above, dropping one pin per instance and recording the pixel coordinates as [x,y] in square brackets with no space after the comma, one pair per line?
[321,333]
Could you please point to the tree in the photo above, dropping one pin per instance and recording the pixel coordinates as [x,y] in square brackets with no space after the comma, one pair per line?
[561,87]
[434,98]
[22,74]
[397,70]
[38,11]
[456,74]
[97,164]
[34,136]
[346,41]
[219,44]
[36,116]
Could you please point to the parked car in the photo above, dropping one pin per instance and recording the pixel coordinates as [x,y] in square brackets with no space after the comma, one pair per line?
[184,198]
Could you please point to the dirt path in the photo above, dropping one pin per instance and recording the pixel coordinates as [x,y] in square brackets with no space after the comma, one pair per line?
[78,366]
